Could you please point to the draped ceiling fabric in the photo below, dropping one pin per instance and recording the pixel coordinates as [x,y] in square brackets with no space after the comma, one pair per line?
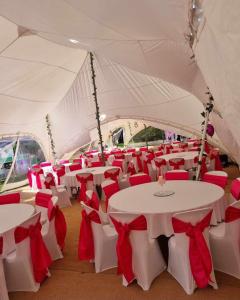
[143,67]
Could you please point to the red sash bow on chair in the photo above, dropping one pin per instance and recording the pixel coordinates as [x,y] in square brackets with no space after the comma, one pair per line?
[232,214]
[159,164]
[40,257]
[218,165]
[176,163]
[145,165]
[124,248]
[131,169]
[60,223]
[113,175]
[199,255]
[168,149]
[93,202]
[49,181]
[86,242]
[83,181]
[37,172]
[138,158]
[60,171]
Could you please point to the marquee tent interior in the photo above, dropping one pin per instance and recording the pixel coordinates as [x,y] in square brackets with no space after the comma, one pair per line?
[147,71]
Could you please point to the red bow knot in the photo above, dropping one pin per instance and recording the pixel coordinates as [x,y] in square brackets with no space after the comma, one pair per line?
[124,248]
[199,255]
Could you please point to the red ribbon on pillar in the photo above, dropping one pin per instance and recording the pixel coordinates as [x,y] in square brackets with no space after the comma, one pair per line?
[40,256]
[199,254]
[86,242]
[124,248]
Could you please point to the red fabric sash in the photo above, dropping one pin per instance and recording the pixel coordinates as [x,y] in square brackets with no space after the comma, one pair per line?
[199,254]
[93,202]
[135,180]
[96,164]
[168,149]
[124,248]
[41,259]
[60,171]
[75,167]
[216,179]
[10,198]
[86,242]
[158,153]
[29,177]
[139,162]
[113,175]
[146,162]
[119,156]
[176,164]
[144,149]
[118,163]
[37,172]
[45,164]
[83,181]
[60,223]
[232,214]
[42,199]
[218,164]
[235,189]
[109,190]
[49,181]
[177,175]
[1,245]
[131,169]
[160,148]
[159,164]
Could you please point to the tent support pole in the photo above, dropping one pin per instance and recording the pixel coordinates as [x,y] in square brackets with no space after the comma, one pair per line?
[97,107]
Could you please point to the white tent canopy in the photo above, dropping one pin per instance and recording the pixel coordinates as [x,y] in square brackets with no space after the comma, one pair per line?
[143,67]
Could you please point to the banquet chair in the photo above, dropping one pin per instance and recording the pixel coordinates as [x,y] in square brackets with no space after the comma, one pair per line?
[216,177]
[168,149]
[60,171]
[95,164]
[97,242]
[54,230]
[137,160]
[139,178]
[143,263]
[176,163]
[10,198]
[58,191]
[86,183]
[119,163]
[234,190]
[177,175]
[93,201]
[3,287]
[149,168]
[215,162]
[27,266]
[112,174]
[225,242]
[190,261]
[131,168]
[109,188]
[42,198]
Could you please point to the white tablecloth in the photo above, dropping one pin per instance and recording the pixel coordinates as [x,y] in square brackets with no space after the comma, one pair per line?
[12,215]
[70,179]
[187,195]
[188,157]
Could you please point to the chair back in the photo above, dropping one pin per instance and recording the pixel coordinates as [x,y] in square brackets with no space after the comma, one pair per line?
[216,177]
[95,164]
[109,187]
[177,175]
[112,174]
[177,163]
[139,179]
[118,163]
[75,167]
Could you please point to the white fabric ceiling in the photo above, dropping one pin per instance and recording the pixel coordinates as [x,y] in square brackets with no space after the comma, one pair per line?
[39,65]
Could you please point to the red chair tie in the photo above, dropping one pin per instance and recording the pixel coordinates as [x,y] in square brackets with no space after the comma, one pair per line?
[215,179]
[218,164]
[42,199]
[86,242]
[199,255]
[10,198]
[40,257]
[124,248]
[37,172]
[49,181]
[60,171]
[232,214]
[168,149]
[176,164]
[59,223]
[83,181]
[131,169]
[159,164]
[235,189]
[146,162]
[109,190]
[139,162]
[113,175]
[93,202]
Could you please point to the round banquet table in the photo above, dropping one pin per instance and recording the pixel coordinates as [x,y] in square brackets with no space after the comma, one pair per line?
[11,216]
[158,211]
[188,157]
[70,179]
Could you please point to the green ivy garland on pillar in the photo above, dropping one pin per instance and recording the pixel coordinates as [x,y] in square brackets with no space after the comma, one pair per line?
[49,132]
[97,107]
